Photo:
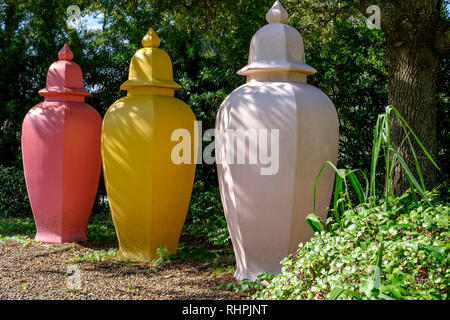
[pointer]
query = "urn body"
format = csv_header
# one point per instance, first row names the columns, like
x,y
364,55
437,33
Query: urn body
x,y
62,163
266,213
148,193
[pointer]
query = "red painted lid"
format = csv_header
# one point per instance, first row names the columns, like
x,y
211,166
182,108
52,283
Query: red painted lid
x,y
64,77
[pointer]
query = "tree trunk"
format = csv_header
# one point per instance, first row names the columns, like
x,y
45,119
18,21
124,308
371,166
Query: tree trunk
x,y
412,62
412,73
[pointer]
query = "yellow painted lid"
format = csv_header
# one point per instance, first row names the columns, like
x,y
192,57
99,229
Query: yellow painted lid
x,y
150,66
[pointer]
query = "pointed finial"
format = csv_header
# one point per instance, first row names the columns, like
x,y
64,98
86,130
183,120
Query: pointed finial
x,y
277,13
151,39
65,53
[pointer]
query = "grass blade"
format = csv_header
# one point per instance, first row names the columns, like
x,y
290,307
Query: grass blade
x,y
415,137
357,186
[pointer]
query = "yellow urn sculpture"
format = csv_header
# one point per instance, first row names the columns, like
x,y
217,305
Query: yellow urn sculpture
x,y
148,191
285,130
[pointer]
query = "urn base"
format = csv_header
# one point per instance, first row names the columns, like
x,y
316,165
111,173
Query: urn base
x,y
141,255
53,238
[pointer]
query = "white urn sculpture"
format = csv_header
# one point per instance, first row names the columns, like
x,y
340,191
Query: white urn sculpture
x,y
267,197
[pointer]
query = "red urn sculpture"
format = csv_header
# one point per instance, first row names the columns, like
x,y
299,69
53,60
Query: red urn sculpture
x,y
61,154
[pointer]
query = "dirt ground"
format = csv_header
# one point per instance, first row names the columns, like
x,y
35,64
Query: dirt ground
x,y
38,271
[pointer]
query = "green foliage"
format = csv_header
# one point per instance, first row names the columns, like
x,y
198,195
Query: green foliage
x,y
162,257
101,229
382,149
351,72
315,223
17,228
31,33
196,253
95,256
216,260
382,248
205,218
13,193
349,262
247,287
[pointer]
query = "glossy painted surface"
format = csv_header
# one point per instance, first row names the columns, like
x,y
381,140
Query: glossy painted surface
x,y
148,194
61,155
266,213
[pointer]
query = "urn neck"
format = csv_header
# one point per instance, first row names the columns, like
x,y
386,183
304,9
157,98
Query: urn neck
x,y
151,91
276,76
63,97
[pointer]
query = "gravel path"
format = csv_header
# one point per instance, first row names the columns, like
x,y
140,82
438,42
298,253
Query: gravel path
x,y
39,271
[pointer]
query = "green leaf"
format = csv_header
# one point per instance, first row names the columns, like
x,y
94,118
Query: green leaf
x,y
415,137
336,293
357,187
314,222
436,252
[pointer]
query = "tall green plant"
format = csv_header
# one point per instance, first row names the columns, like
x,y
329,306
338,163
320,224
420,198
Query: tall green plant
x,y
382,149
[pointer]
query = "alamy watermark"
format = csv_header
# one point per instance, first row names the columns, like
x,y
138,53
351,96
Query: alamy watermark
x,y
251,146
74,19
374,21
73,281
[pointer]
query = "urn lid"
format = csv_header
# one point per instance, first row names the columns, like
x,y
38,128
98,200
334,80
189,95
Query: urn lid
x,y
277,46
64,77
150,66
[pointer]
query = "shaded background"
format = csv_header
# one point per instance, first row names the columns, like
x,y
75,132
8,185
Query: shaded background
x,y
208,42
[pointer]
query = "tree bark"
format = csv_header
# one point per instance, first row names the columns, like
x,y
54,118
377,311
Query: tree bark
x,y
412,91
416,42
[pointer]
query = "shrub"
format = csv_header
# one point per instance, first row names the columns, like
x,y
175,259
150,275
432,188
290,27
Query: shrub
x,y
100,228
382,248
205,219
13,193
409,243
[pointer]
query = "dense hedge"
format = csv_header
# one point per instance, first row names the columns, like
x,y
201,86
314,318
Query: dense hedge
x,y
410,242
205,220
13,193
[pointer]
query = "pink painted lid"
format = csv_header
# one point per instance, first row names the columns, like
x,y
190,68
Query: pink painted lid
x,y
64,77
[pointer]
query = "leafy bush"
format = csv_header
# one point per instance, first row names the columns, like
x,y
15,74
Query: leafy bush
x,y
247,287
384,156
100,228
206,218
17,228
414,261
13,193
382,248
